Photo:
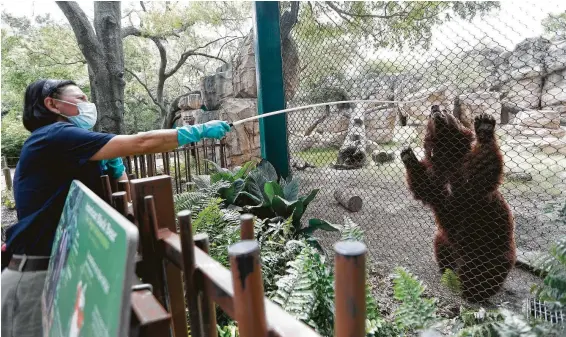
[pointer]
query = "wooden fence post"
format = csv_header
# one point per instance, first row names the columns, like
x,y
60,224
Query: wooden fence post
x,y
120,203
160,188
246,227
350,286
106,189
208,311
249,306
124,185
188,255
7,178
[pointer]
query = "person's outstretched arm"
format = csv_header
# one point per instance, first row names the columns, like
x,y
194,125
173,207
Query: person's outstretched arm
x,y
157,141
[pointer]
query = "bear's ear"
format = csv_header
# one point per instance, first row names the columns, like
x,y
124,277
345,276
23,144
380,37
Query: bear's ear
x,y
435,108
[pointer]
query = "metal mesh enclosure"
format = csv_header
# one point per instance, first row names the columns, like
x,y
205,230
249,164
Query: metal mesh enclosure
x,y
487,134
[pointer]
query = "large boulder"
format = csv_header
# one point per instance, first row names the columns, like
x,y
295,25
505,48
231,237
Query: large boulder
x,y
216,87
554,89
202,116
476,103
243,65
523,72
528,58
555,58
523,93
548,119
244,72
242,143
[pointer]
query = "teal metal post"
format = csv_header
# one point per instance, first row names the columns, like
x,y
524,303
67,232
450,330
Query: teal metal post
x,y
270,87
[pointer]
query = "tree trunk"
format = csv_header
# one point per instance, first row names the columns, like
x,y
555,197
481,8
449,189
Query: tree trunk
x,y
103,51
352,153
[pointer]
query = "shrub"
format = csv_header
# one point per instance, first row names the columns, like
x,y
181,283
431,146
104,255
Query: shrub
x,y
13,135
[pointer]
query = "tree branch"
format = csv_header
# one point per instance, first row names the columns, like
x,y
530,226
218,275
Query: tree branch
x,y
162,66
211,56
145,87
131,30
193,52
225,43
340,11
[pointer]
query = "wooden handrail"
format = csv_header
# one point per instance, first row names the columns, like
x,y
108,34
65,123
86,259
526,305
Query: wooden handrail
x,y
279,322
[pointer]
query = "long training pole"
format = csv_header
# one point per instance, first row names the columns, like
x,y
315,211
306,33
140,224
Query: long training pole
x,y
249,119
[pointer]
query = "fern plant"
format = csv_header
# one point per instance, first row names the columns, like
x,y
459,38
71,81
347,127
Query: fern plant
x,y
306,291
295,290
415,312
351,231
222,227
553,289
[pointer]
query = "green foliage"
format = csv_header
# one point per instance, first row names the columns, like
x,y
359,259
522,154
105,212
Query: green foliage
x,y
306,291
222,227
261,192
295,290
554,25
43,49
553,289
479,323
198,200
351,231
415,312
239,172
232,193
13,135
450,280
230,330
8,199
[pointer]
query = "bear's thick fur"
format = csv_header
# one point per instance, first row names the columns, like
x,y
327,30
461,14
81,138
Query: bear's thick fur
x,y
459,179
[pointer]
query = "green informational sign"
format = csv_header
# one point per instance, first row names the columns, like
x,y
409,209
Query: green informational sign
x,y
88,285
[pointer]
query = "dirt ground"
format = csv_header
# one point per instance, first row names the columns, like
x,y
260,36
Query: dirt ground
x,y
399,230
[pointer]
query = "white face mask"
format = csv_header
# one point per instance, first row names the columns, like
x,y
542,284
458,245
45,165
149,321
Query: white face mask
x,y
86,117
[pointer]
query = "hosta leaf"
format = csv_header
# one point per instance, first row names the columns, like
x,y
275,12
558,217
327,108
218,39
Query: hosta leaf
x,y
273,189
290,188
315,224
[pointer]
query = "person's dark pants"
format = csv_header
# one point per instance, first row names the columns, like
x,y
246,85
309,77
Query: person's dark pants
x,y
21,300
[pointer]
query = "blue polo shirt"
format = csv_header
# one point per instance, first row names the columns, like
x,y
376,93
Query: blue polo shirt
x,y
51,158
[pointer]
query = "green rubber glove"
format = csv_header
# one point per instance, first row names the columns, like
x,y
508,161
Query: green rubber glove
x,y
114,167
194,133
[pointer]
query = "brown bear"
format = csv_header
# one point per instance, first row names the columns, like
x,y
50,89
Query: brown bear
x,y
459,179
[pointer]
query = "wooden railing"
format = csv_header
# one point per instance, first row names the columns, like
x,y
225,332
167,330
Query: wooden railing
x,y
182,274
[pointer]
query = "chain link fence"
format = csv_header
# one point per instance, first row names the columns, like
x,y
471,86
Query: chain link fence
x,y
487,139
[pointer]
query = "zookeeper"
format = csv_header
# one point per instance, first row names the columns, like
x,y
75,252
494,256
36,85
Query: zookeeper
x,y
62,148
